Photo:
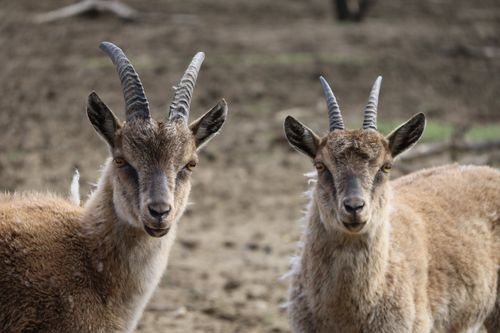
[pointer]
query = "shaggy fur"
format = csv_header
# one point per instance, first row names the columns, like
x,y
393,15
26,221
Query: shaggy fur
x,y
64,268
426,258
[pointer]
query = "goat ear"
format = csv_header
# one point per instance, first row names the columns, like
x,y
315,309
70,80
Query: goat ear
x,y
406,135
102,118
208,125
300,137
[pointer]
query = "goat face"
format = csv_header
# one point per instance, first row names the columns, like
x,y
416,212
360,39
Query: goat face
x,y
152,166
152,160
352,165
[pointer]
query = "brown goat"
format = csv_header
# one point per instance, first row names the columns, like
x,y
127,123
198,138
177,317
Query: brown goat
x,y
418,254
93,269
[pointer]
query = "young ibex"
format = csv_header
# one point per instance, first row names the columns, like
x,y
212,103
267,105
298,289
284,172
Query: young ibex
x,y
93,269
418,254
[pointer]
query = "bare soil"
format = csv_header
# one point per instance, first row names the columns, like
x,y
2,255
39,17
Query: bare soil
x,y
440,57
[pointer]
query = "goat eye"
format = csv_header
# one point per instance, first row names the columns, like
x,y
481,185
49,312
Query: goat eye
x,y
120,162
190,166
386,167
319,166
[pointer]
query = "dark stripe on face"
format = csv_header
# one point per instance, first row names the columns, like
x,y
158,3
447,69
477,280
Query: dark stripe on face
x,y
353,186
158,188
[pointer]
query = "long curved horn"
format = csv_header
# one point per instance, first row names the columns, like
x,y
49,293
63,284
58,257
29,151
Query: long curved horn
x,y
370,117
334,115
136,103
184,90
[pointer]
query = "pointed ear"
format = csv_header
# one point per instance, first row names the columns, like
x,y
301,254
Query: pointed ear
x,y
102,118
208,125
300,137
406,135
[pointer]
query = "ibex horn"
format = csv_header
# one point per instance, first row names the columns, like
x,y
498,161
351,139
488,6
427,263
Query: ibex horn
x,y
370,117
184,90
136,103
334,115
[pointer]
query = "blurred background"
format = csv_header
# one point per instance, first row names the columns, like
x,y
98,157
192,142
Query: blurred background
x,y
440,57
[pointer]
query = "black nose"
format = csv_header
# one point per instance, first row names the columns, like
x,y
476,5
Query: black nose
x,y
353,205
159,210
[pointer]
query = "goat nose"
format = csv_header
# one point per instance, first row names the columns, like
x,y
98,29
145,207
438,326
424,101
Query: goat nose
x,y
353,204
158,210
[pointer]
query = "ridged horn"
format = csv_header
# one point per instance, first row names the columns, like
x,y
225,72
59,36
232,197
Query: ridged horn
x,y
370,117
184,90
136,103
334,115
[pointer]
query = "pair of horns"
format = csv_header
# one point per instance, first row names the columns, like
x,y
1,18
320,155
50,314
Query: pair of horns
x,y
334,115
136,103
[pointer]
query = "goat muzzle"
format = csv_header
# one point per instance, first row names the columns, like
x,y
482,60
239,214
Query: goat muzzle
x,y
157,232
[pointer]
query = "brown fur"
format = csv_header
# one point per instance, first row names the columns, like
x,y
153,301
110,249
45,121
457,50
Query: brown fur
x,y
427,259
69,269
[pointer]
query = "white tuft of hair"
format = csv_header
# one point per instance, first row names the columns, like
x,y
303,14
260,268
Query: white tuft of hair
x,y
74,192
294,262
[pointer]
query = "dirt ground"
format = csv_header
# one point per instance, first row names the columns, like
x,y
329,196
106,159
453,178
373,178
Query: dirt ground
x,y
440,57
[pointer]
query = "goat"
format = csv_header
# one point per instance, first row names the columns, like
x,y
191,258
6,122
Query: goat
x,y
418,254
93,269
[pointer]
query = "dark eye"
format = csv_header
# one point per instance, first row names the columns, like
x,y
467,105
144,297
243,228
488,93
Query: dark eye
x,y
190,166
120,162
386,167
319,166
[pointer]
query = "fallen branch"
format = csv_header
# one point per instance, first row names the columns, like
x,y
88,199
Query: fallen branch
x,y
115,7
432,149
485,52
